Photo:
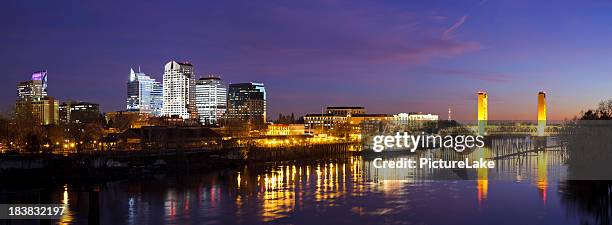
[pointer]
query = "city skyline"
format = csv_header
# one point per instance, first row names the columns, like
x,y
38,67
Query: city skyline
x,y
206,97
428,56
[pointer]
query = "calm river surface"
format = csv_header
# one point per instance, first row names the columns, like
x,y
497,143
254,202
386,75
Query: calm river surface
x,y
521,190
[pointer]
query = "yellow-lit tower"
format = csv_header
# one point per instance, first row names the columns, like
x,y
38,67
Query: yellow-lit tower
x,y
483,114
541,113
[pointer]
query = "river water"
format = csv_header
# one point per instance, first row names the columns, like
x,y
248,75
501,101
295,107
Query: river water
x,y
528,189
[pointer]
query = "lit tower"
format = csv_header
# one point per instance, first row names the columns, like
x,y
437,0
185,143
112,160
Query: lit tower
x,y
178,90
144,94
211,99
483,114
33,102
541,113
246,106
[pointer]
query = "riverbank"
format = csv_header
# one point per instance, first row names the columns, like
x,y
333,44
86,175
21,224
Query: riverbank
x,y
116,165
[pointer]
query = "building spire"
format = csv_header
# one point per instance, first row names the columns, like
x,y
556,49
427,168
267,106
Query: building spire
x,y
132,74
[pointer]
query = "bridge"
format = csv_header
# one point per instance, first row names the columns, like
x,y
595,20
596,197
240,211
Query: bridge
x,y
517,129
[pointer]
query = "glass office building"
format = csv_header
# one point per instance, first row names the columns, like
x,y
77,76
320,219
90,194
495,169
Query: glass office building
x,y
211,100
33,103
246,106
144,94
34,89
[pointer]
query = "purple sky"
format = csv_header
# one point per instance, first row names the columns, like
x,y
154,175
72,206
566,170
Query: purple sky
x,y
389,56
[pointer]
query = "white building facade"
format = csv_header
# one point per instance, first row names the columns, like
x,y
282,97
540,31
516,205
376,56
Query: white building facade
x,y
178,90
211,100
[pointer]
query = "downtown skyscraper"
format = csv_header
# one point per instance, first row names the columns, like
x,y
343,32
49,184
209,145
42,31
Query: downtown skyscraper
x,y
178,90
246,106
34,89
211,99
144,94
33,103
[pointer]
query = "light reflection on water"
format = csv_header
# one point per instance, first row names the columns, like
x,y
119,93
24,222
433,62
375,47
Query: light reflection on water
x,y
67,217
520,190
345,191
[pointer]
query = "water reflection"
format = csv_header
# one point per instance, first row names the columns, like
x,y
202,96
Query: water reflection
x,y
67,217
346,190
589,200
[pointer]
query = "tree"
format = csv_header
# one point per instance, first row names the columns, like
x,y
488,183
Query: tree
x,y
25,128
5,131
603,112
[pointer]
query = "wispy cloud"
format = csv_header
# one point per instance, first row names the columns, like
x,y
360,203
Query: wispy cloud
x,y
448,32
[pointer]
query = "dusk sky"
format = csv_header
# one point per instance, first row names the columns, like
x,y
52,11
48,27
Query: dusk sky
x,y
388,56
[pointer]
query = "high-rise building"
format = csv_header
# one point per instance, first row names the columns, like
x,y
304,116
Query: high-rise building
x,y
33,89
483,114
178,90
78,112
144,94
211,100
45,111
33,102
541,113
157,99
246,106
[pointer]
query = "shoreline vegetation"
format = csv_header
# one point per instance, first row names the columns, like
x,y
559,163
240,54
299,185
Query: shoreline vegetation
x,y
588,139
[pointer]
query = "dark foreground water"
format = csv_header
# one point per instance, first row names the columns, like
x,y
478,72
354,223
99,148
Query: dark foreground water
x,y
521,190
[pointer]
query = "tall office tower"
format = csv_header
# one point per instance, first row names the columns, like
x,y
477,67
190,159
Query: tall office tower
x,y
178,90
45,111
211,100
483,114
246,106
157,99
541,113
33,103
144,94
33,89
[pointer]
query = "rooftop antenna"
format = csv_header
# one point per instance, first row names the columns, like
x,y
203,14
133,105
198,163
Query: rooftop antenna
x,y
450,113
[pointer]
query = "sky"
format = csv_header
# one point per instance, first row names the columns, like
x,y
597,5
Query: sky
x,y
388,56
